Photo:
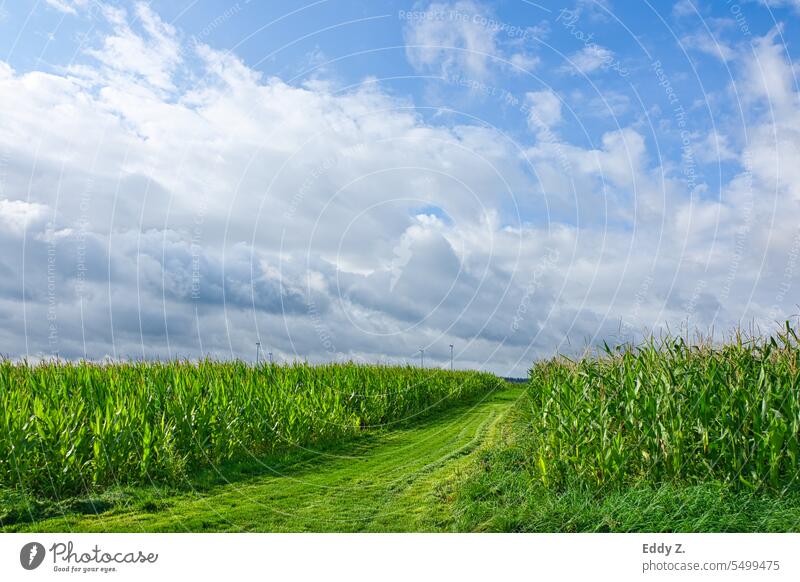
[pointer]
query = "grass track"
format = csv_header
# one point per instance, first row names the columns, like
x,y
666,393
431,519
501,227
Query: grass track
x,y
398,480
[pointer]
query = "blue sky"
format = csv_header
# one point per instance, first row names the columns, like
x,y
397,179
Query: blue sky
x,y
352,180
355,40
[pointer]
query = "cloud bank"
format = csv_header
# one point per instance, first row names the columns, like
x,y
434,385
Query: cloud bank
x,y
160,198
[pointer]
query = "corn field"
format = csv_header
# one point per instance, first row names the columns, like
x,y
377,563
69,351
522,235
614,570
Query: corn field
x,y
669,411
69,428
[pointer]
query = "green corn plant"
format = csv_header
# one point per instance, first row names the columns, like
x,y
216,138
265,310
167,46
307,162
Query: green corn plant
x,y
669,411
72,427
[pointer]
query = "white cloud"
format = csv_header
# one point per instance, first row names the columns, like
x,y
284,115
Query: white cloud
x,y
447,37
152,57
465,38
589,59
545,109
684,8
249,170
524,61
17,215
715,148
68,6
767,76
341,224
704,42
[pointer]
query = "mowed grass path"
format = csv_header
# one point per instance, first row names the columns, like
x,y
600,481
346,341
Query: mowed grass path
x,y
400,479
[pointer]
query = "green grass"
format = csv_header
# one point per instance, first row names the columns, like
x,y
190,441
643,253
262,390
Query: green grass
x,y
68,430
663,437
